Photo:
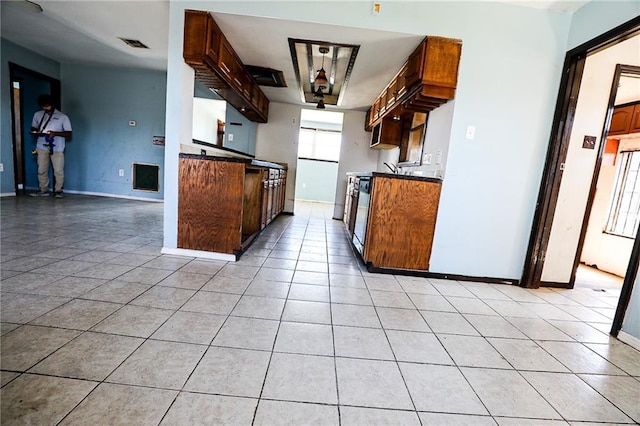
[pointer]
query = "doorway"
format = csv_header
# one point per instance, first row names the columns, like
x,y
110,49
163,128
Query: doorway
x,y
553,260
26,86
319,144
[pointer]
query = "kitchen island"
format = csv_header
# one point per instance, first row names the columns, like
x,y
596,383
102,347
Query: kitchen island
x,y
391,218
225,202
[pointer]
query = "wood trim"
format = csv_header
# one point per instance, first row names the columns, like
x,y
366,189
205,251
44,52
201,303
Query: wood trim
x,y
453,277
552,175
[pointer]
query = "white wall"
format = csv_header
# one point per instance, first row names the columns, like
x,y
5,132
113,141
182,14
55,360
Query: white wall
x,y
355,155
277,141
576,179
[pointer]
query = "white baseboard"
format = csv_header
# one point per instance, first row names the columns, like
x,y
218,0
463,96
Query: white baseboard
x,y
96,194
104,194
7,194
199,253
629,339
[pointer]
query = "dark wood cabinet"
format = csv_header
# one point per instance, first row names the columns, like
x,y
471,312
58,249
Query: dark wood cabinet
x,y
625,119
387,134
224,204
425,81
401,222
217,66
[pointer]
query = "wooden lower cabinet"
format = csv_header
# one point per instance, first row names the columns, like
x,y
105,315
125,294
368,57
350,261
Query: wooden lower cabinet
x,y
223,205
401,222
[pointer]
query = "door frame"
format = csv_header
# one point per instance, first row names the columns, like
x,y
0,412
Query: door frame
x,y
564,115
18,139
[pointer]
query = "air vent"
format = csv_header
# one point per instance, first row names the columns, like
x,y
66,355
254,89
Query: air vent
x,y
267,76
134,43
146,177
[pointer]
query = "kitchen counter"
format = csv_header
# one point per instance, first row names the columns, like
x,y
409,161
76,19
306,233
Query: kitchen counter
x,y
395,176
248,161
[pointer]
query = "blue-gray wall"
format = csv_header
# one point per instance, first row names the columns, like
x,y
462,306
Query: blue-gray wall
x,y
100,102
13,53
316,180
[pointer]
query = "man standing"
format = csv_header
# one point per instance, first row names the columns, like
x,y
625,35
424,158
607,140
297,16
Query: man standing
x,y
51,127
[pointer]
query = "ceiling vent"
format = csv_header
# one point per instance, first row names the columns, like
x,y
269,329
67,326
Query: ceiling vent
x,y
267,76
134,43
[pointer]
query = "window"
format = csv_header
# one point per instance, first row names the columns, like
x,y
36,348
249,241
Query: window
x,y
319,144
625,205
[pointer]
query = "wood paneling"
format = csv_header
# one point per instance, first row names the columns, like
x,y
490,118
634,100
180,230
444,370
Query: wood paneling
x,y
210,198
402,219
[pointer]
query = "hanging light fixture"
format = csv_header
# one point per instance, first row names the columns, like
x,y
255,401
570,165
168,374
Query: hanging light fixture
x,y
321,77
319,94
320,104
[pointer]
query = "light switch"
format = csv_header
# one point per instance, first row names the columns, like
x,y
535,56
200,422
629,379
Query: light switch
x,y
230,138
471,132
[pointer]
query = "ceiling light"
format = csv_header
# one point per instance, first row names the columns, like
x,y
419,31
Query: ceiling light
x,y
321,77
319,94
320,104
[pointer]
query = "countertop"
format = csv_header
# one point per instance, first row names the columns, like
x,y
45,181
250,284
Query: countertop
x,y
249,161
395,176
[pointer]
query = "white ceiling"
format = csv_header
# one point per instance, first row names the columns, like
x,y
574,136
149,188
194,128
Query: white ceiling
x,y
87,32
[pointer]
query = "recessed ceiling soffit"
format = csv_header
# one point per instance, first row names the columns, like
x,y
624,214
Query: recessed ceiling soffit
x,y
309,57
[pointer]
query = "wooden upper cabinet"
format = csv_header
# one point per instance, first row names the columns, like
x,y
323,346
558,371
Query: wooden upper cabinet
x,y
413,73
625,119
218,66
227,61
387,134
635,120
425,81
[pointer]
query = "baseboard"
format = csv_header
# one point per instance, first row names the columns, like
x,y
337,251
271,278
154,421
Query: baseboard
x,y
453,277
199,253
7,194
629,339
104,194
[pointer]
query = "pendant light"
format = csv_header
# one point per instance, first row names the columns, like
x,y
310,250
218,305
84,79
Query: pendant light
x,y
321,77
320,104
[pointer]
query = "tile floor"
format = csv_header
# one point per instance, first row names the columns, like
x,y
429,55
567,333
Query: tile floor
x,y
99,328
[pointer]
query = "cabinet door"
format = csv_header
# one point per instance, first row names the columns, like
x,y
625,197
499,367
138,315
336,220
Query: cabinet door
x,y
265,203
414,67
635,120
227,60
621,120
212,48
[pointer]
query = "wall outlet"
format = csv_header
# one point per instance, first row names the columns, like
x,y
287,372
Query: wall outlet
x,y
121,172
230,138
1,167
438,157
471,132
427,158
